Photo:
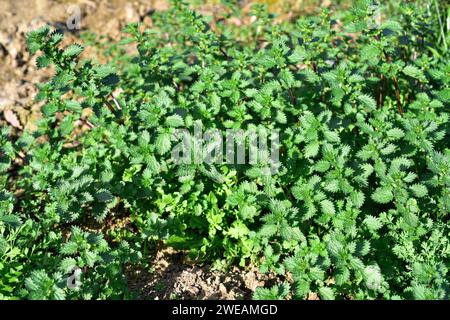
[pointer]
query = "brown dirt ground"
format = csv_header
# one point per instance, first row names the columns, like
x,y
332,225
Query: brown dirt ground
x,y
18,73
173,277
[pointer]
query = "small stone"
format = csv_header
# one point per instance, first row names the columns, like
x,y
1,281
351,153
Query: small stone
x,y
223,289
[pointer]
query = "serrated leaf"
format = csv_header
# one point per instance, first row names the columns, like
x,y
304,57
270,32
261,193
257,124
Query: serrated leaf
x,y
42,61
414,72
90,258
367,100
174,120
69,248
311,149
373,277
268,230
106,176
238,230
298,55
56,37
362,248
3,245
287,76
163,143
73,50
215,100
322,166
373,223
247,212
327,207
357,198
104,196
11,219
419,190
281,117
331,136
382,195
326,293
392,26
277,292
395,133
49,109
103,71
67,265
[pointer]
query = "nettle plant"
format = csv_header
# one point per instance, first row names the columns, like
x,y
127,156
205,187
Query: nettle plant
x,y
358,210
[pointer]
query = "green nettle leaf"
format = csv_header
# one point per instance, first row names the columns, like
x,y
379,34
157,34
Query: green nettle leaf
x,y
153,164
163,143
42,61
3,245
322,166
331,136
327,207
90,258
215,100
392,25
73,105
419,190
69,248
370,53
312,149
56,37
41,286
298,55
373,277
238,230
106,176
363,248
49,109
103,71
357,198
174,121
395,133
326,293
248,212
73,50
281,117
420,292
383,195
373,223
356,26
277,292
104,196
11,219
367,101
268,230
287,77
356,264
67,265
414,72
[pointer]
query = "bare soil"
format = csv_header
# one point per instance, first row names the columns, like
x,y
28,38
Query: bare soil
x,y
18,72
174,277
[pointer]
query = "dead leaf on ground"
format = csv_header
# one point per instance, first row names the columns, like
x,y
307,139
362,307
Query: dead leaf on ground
x,y
12,119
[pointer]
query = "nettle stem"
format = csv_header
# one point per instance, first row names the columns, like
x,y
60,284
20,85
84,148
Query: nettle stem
x,y
110,107
397,95
396,87
380,97
115,101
